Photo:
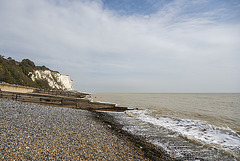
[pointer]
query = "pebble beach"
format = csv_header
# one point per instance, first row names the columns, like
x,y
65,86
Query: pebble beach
x,y
40,132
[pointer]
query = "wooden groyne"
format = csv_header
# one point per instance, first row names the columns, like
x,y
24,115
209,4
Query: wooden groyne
x,y
58,99
73,94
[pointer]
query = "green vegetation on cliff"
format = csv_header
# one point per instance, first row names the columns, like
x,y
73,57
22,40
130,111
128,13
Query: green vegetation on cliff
x,y
15,72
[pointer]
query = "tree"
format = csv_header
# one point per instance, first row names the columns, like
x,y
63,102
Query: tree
x,y
28,62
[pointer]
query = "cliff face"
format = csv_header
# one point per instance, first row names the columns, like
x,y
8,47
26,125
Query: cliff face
x,y
55,80
27,74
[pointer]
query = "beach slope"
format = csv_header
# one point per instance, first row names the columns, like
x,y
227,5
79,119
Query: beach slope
x,y
38,132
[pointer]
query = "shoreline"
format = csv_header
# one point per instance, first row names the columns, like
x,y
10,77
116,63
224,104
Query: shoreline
x,y
33,132
151,151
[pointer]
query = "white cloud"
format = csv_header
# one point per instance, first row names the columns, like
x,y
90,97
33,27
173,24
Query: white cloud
x,y
105,52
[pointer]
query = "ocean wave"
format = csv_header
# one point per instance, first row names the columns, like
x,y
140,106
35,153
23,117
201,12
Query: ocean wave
x,y
219,137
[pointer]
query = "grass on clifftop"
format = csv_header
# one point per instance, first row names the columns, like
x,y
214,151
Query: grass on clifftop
x,y
14,72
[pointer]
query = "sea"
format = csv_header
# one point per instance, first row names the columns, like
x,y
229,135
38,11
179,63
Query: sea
x,y
187,126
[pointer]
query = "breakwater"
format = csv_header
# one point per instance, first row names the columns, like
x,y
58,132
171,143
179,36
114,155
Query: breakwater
x,y
60,98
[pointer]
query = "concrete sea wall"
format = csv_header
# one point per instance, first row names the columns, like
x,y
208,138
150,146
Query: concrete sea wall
x,y
15,88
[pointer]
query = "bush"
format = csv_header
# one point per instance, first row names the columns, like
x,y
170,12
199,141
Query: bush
x,y
15,72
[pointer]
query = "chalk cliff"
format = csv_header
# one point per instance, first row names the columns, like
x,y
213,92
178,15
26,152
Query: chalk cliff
x,y
55,79
26,73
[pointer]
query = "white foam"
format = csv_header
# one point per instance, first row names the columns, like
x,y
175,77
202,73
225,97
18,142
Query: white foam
x,y
225,138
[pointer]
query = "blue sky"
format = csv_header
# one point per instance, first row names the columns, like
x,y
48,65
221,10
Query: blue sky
x,y
126,7
129,45
229,9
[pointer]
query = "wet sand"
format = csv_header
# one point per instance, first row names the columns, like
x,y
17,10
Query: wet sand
x,y
38,132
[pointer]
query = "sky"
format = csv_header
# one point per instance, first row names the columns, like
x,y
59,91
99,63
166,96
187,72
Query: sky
x,y
129,46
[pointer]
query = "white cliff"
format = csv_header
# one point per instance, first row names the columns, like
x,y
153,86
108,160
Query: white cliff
x,y
54,79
